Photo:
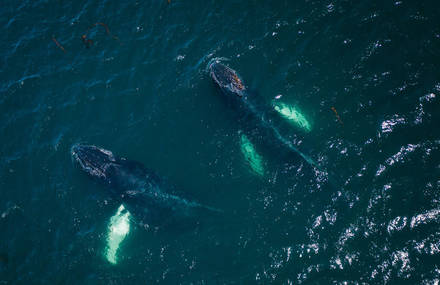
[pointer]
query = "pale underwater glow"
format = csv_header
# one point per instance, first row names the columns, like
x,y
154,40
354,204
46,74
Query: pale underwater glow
x,y
118,229
293,114
251,155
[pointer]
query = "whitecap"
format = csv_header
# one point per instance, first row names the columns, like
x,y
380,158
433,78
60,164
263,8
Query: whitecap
x,y
400,156
429,216
397,224
387,126
401,258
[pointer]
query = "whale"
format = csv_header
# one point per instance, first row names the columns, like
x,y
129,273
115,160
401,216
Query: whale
x,y
249,106
140,189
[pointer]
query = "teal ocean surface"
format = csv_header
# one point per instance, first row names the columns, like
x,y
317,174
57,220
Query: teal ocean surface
x,y
355,85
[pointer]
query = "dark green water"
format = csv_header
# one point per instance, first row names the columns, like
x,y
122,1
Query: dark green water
x,y
373,219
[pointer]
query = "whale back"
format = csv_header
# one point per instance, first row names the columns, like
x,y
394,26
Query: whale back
x,y
251,108
144,189
227,79
131,177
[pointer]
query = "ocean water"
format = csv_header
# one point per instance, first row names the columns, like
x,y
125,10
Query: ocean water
x,y
365,75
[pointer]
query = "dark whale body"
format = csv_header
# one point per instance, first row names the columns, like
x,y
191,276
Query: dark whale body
x,y
142,191
232,85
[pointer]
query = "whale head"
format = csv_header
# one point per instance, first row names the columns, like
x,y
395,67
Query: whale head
x,y
226,78
93,160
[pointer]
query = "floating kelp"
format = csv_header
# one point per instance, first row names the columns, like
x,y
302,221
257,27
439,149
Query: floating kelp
x,y
251,155
119,227
88,42
58,44
337,115
292,114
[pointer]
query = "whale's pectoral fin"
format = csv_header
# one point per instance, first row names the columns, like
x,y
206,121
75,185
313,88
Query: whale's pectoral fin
x,y
251,156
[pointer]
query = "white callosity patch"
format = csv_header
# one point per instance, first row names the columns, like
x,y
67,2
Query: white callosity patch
x,y
92,169
232,80
118,229
110,155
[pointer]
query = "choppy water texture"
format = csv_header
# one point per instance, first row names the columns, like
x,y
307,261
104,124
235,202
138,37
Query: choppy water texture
x,y
371,214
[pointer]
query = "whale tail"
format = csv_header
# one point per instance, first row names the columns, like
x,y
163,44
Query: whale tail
x,y
212,209
332,178
308,159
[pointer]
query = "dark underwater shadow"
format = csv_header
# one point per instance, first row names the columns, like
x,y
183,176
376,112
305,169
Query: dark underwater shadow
x,y
177,219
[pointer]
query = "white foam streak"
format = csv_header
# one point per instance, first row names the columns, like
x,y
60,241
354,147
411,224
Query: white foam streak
x,y
387,126
429,216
